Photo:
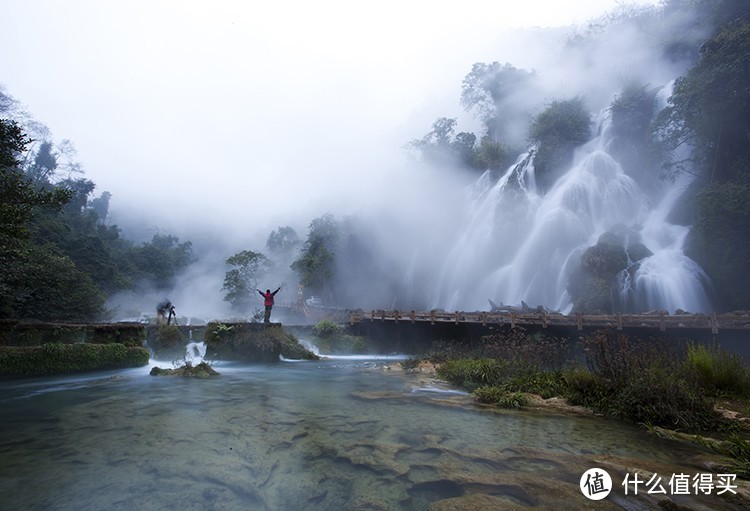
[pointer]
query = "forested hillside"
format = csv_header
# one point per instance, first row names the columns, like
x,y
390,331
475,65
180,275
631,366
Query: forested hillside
x,y
59,258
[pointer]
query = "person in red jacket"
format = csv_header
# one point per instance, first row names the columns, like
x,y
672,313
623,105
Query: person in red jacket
x,y
268,302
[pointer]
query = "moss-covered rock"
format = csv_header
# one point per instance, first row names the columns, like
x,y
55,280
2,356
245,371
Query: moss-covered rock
x,y
252,342
167,342
59,358
33,333
129,334
590,284
202,370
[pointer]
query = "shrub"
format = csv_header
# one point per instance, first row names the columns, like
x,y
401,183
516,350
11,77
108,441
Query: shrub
x,y
58,358
641,382
716,371
545,383
473,373
410,363
537,351
501,397
327,329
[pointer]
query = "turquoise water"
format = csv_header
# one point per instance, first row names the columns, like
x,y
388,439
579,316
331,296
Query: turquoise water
x,y
350,433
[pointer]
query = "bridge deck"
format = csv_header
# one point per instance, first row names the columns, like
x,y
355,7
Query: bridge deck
x,y
661,320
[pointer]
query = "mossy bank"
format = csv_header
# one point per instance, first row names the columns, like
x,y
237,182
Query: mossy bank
x,y
38,349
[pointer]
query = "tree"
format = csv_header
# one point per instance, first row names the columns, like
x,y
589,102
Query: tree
x,y
241,282
495,92
53,288
43,167
632,112
315,265
100,205
160,260
557,131
442,146
709,110
282,241
490,155
707,122
36,281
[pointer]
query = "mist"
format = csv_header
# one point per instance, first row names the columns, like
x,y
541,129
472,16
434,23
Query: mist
x,y
307,135
406,216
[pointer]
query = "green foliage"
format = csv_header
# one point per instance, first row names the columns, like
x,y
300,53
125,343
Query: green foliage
x,y
717,372
170,337
590,284
410,363
557,131
48,286
283,241
720,240
315,264
709,108
241,282
293,350
202,370
537,352
546,384
331,337
501,397
641,382
473,373
251,342
632,111
58,358
327,329
492,92
442,147
490,155
161,259
217,332
57,260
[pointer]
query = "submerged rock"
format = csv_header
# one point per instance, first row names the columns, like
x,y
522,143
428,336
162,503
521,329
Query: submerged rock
x,y
202,370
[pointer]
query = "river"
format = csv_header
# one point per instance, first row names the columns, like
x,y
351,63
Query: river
x,y
348,433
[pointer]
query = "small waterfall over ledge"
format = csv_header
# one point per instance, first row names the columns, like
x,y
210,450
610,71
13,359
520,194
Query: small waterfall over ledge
x,y
519,244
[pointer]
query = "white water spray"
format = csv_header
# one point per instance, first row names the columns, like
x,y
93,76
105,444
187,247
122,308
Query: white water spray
x,y
520,245
195,352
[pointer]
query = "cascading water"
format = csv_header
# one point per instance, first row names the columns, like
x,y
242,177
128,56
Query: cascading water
x,y
519,244
195,352
667,280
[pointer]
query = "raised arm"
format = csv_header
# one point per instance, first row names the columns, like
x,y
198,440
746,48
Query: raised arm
x,y
277,290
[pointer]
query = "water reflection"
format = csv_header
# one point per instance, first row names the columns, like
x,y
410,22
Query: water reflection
x,y
332,434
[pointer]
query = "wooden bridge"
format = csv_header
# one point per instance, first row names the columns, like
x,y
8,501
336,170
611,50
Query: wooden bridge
x,y
532,318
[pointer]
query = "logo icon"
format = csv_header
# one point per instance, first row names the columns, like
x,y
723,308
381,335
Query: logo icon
x,y
596,484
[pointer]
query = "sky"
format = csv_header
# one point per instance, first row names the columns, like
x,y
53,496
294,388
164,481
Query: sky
x,y
236,117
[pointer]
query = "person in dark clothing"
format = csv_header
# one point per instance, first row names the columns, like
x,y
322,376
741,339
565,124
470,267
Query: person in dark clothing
x,y
162,309
268,302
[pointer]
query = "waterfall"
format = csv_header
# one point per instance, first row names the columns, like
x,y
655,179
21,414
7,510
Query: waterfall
x,y
519,244
195,352
667,280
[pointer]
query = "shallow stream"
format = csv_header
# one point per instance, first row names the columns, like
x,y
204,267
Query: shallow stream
x,y
353,433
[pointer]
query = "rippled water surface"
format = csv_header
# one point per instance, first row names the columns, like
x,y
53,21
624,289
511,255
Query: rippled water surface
x,y
333,434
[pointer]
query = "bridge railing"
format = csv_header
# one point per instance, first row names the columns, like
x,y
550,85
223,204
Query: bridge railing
x,y
660,320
